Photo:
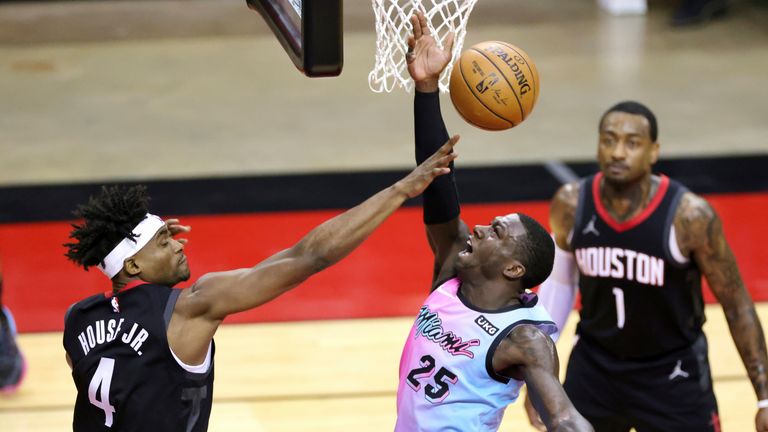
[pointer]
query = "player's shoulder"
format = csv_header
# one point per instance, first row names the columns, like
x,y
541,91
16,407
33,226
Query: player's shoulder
x,y
693,209
75,310
526,344
527,334
695,221
568,194
87,302
562,211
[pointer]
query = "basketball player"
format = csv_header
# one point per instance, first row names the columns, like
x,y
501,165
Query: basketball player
x,y
480,334
639,243
12,364
142,353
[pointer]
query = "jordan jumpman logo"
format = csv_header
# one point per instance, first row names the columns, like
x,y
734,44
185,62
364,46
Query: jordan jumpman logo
x,y
590,228
678,371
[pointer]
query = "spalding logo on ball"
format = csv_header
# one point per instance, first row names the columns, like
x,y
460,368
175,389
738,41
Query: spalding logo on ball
x,y
494,85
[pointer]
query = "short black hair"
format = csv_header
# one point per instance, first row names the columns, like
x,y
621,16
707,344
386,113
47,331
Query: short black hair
x,y
108,218
632,107
538,251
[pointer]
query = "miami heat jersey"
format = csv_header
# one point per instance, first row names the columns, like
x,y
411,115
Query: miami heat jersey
x,y
126,376
447,382
639,296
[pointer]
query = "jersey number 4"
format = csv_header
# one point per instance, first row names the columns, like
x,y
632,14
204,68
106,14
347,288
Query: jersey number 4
x,y
103,379
433,393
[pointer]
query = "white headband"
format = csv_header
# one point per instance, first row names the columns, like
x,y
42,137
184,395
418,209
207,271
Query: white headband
x,y
128,247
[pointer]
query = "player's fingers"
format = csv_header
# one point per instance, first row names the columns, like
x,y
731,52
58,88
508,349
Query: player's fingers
x,y
178,228
437,172
416,24
449,42
423,23
450,144
447,159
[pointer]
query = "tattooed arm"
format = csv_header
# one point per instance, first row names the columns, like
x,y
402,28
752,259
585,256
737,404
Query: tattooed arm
x,y
558,293
700,235
529,355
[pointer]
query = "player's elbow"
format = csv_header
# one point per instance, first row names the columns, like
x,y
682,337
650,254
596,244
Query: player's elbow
x,y
312,260
320,263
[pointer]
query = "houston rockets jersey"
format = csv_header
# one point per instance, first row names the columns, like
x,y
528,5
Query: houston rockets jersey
x,y
126,375
447,382
640,296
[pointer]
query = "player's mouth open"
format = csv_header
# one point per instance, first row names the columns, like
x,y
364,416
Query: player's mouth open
x,y
468,250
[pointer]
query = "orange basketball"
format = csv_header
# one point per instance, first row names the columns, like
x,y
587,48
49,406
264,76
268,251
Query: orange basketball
x,y
494,85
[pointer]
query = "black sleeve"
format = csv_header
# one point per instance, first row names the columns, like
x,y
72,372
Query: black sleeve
x,y
441,200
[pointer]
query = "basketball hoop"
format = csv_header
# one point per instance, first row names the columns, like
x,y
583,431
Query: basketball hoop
x,y
393,27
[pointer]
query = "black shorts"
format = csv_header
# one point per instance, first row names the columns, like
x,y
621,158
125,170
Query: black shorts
x,y
672,392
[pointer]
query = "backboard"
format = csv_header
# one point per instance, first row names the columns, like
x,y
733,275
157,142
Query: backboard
x,y
309,30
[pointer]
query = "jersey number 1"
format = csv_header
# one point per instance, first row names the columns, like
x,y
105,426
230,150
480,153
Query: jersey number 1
x,y
619,294
103,378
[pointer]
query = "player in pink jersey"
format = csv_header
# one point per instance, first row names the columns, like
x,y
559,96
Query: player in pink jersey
x,y
480,334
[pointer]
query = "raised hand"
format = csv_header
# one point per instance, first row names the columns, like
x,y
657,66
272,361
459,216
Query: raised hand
x,y
436,165
175,228
425,59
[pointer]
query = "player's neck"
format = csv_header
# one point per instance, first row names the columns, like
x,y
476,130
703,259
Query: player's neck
x,y
625,201
489,295
120,282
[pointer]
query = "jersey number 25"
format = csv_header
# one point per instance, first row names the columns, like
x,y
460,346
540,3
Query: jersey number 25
x,y
433,393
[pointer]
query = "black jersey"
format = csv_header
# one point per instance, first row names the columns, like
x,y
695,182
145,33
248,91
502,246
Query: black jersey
x,y
126,376
639,296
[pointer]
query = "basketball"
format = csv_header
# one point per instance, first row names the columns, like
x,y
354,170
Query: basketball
x,y
494,85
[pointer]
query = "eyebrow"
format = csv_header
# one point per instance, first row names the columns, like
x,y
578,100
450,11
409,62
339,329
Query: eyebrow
x,y
498,222
631,134
161,232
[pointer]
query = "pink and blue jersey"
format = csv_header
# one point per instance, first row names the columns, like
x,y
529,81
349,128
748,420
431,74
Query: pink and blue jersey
x,y
447,382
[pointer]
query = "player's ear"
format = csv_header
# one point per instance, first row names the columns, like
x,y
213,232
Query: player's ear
x,y
514,270
654,152
131,267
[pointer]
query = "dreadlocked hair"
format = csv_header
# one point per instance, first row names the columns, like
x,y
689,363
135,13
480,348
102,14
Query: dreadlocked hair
x,y
108,218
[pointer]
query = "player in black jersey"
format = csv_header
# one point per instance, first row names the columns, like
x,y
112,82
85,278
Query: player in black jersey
x,y
637,244
142,353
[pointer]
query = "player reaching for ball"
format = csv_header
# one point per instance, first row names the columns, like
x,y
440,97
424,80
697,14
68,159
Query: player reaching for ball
x,y
480,334
142,354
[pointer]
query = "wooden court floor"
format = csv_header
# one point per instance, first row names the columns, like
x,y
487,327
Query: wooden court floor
x,y
320,376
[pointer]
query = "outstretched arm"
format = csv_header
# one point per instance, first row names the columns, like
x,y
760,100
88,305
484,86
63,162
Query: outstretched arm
x,y
446,233
529,355
700,234
201,308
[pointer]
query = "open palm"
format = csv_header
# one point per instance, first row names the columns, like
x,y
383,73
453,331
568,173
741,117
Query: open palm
x,y
427,60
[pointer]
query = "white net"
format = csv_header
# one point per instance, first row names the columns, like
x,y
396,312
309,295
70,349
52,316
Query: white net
x,y
393,27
